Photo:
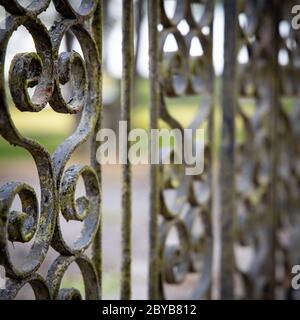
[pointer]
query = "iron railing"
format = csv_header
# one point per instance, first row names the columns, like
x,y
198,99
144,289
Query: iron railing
x,y
259,177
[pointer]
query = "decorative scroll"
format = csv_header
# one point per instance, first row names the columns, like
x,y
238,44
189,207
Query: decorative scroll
x,y
288,134
46,70
183,201
254,143
267,180
259,154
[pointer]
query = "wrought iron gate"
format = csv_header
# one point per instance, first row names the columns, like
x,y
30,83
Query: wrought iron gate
x,y
259,176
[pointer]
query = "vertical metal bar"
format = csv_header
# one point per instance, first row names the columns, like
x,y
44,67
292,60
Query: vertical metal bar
x,y
153,19
97,243
126,104
274,102
227,149
212,152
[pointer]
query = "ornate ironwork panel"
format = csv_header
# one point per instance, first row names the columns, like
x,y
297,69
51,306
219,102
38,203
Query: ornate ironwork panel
x,y
260,208
259,177
178,201
46,70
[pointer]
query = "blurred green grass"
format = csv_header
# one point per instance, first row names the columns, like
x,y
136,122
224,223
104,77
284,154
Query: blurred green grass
x,y
110,283
50,141
46,127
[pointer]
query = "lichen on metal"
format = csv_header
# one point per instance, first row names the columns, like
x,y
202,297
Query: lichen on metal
x,y
46,70
259,175
257,192
177,73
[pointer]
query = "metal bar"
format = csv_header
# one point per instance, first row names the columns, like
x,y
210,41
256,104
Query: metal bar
x,y
274,102
154,65
97,243
227,149
126,105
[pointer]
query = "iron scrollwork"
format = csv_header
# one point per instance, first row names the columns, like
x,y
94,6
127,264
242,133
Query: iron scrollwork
x,y
266,174
260,170
46,70
181,74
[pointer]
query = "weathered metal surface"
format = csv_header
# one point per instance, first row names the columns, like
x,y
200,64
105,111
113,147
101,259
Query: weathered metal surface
x,y
178,74
259,149
227,153
46,70
154,66
127,96
260,208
